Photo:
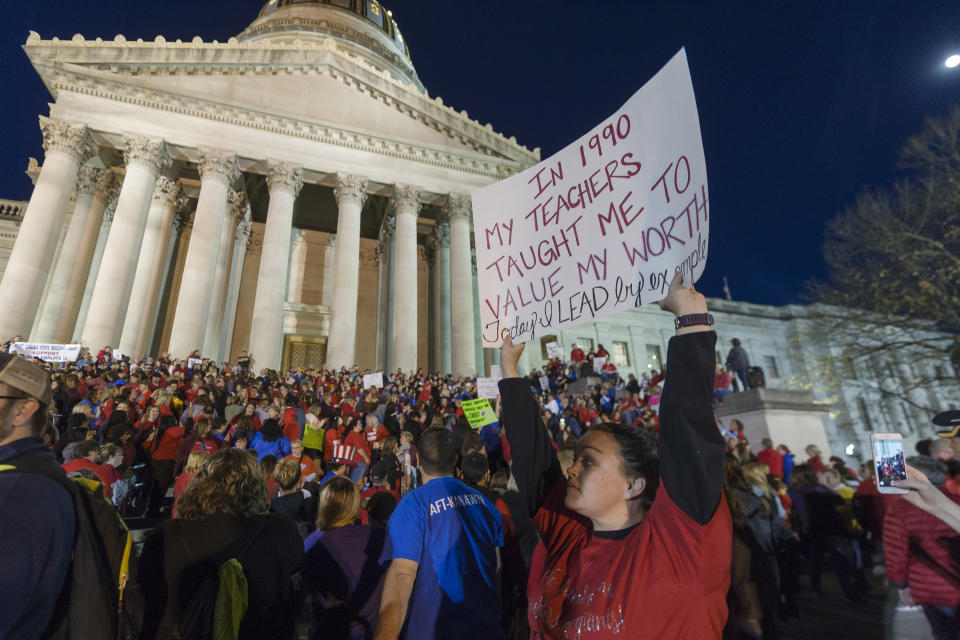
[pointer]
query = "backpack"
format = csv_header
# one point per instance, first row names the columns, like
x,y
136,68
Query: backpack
x,y
101,598
213,595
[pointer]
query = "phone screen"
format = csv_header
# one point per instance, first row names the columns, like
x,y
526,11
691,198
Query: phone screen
x,y
888,458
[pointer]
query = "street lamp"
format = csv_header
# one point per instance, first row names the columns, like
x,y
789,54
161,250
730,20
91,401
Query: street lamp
x,y
953,61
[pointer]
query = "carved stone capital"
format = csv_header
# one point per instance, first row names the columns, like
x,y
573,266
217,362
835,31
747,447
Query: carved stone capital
x,y
350,187
112,200
67,137
405,199
87,180
442,234
165,192
182,220
236,203
458,205
147,152
389,227
106,184
219,165
284,176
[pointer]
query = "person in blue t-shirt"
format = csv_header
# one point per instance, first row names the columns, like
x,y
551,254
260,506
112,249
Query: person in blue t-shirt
x,y
445,539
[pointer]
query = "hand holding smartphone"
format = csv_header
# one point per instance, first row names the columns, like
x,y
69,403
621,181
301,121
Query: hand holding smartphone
x,y
888,461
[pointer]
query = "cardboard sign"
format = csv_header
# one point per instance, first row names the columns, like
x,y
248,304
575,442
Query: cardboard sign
x,y
554,350
194,361
488,387
478,412
373,380
47,352
545,383
117,354
601,226
598,362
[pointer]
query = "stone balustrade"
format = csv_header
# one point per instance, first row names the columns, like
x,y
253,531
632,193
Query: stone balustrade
x,y
12,209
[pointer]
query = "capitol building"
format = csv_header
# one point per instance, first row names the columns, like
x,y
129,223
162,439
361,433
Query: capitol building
x,y
296,193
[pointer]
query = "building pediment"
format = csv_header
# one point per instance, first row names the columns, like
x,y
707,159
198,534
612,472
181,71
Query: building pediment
x,y
304,87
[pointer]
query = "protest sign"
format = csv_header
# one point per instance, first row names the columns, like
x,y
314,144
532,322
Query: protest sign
x,y
598,362
602,225
373,380
554,350
47,352
488,387
117,354
478,412
545,383
194,361
496,372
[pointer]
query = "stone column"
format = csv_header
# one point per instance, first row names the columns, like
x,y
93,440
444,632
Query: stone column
x,y
153,249
266,331
329,262
441,310
86,247
463,351
406,205
66,147
482,360
162,300
241,242
218,170
70,255
351,192
382,277
430,256
389,234
236,208
97,259
298,265
145,158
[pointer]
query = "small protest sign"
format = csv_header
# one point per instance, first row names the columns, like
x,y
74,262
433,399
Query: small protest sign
x,y
598,362
545,383
478,412
191,362
487,387
554,350
47,352
602,225
117,354
496,372
373,380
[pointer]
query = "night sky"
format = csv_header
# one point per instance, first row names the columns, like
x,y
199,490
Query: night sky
x,y
801,104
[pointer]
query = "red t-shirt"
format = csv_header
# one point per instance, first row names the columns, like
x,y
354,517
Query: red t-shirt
x,y
329,436
291,428
364,516
577,355
84,463
306,466
816,463
359,441
668,578
773,459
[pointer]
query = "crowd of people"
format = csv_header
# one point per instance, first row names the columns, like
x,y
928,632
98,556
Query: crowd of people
x,y
301,500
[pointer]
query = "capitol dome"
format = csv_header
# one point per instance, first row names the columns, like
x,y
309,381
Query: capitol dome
x,y
361,27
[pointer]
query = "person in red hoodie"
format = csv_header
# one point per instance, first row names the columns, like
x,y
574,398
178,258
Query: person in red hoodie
x,y
814,461
161,444
771,457
291,428
918,553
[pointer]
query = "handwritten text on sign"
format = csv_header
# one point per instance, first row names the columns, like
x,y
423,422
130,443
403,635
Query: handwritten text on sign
x,y
600,226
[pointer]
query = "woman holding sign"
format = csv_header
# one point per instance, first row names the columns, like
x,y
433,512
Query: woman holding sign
x,y
638,540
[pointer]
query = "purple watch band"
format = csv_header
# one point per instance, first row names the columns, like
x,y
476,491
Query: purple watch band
x,y
692,319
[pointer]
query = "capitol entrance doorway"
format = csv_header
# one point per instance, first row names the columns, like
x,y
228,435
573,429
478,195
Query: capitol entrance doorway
x,y
302,353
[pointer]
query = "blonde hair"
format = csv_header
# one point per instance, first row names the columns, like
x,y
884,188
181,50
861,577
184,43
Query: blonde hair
x,y
339,504
389,446
296,443
755,473
82,407
195,460
287,473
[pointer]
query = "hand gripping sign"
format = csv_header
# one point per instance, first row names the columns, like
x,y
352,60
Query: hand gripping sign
x,y
602,225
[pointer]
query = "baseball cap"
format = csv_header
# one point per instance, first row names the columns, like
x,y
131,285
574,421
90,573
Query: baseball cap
x,y
379,471
950,420
20,373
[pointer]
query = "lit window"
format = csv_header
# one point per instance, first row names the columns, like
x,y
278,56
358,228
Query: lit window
x,y
654,360
621,357
770,364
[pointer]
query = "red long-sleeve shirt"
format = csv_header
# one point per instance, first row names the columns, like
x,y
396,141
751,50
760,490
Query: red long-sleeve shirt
x,y
917,552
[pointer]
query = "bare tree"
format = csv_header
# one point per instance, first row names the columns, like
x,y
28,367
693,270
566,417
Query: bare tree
x,y
892,301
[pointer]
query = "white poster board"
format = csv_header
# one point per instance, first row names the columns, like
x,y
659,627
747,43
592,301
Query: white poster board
x,y
598,362
193,361
47,352
117,355
554,350
373,380
602,225
496,372
488,388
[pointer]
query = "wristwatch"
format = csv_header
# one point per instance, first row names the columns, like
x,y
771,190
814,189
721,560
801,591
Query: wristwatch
x,y
693,319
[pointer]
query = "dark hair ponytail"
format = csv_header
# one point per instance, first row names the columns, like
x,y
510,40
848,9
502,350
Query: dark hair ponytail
x,y
638,450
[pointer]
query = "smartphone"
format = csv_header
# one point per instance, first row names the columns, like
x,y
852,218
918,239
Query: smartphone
x,y
888,461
